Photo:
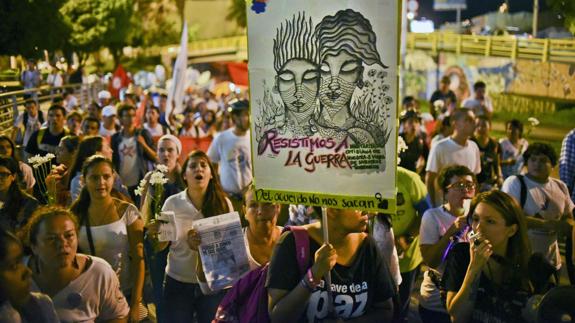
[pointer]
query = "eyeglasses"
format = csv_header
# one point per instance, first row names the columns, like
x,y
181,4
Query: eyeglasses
x,y
4,175
462,186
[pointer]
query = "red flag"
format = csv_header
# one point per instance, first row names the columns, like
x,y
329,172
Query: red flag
x,y
238,73
118,81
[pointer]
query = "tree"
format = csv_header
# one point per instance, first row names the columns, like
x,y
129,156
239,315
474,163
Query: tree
x,y
157,22
566,9
237,12
98,23
24,26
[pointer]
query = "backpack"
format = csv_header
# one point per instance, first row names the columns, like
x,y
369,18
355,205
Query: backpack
x,y
247,300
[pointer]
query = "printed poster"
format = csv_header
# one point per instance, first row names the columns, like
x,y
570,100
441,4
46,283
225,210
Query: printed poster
x,y
324,95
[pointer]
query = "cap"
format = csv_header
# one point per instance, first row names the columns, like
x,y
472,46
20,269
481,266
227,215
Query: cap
x,y
409,114
238,105
109,111
102,95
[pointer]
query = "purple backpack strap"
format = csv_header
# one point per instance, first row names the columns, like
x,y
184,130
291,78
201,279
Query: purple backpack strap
x,y
301,246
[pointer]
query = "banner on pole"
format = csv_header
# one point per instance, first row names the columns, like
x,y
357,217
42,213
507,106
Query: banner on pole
x,y
444,5
176,91
324,94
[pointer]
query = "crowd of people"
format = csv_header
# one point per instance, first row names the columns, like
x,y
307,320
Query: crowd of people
x,y
474,215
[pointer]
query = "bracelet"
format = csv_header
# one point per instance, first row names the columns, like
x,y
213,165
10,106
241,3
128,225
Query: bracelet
x,y
310,279
305,285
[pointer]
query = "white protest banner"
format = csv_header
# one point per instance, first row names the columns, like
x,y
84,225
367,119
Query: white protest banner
x,y
176,91
324,94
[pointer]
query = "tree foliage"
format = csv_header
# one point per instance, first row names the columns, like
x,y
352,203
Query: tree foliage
x,y
156,22
566,9
28,27
237,12
98,23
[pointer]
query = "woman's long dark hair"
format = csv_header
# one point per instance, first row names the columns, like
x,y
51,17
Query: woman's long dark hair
x,y
518,247
89,146
15,196
82,203
215,199
6,238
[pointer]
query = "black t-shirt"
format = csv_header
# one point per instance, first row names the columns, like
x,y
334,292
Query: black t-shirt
x,y
489,157
437,95
493,303
48,144
355,288
415,149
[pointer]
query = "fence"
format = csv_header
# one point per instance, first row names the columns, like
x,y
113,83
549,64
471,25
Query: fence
x,y
12,102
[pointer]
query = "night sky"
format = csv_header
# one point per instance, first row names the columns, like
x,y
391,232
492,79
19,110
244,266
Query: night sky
x,y
474,8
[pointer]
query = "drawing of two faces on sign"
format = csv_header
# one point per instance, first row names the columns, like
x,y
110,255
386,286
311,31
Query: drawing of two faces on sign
x,y
330,79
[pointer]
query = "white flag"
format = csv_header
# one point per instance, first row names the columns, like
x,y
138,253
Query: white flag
x,y
176,92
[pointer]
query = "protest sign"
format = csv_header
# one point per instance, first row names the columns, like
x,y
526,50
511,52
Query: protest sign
x,y
323,85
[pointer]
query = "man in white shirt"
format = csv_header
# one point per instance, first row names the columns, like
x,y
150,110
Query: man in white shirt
x,y
454,150
231,150
480,103
134,150
108,126
545,201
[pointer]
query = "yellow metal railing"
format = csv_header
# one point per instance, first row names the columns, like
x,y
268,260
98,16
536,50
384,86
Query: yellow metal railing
x,y
546,50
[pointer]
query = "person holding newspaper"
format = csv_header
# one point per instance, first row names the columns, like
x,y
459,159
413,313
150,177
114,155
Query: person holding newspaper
x,y
203,197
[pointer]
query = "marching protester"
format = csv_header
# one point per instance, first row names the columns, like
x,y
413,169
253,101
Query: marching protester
x,y
16,206
169,149
46,140
111,229
231,151
8,149
359,274
441,228
83,288
545,201
27,123
203,197
489,150
487,279
17,303
512,148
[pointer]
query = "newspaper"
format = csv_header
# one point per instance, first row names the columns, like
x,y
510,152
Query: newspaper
x,y
222,250
173,228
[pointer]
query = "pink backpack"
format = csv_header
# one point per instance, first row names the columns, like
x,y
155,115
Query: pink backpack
x,y
247,300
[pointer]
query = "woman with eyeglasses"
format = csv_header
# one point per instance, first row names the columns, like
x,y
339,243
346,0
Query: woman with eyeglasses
x,y
487,280
16,205
440,229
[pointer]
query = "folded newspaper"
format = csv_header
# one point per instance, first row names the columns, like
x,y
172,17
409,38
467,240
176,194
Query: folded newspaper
x,y
223,251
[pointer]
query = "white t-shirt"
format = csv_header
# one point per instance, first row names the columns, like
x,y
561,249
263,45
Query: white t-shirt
x,y
551,201
32,125
434,224
181,259
508,150
447,152
157,131
233,154
93,296
105,132
111,244
194,132
475,105
128,151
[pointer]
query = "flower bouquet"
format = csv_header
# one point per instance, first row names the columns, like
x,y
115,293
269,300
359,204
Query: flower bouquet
x,y
42,166
151,188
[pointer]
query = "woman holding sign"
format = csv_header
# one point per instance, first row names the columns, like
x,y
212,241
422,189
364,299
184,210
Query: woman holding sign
x,y
361,289
203,197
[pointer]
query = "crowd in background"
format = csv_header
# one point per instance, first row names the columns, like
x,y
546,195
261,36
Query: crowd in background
x,y
475,215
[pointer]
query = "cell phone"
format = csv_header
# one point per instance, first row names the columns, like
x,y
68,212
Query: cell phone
x,y
474,237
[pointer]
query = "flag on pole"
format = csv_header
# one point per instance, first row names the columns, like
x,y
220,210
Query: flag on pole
x,y
119,80
176,92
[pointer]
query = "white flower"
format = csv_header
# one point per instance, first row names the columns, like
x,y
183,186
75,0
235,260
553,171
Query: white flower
x,y
138,191
34,160
438,104
158,178
533,121
49,156
162,168
401,145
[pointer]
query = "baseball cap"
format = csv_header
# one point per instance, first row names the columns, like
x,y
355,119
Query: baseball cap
x,y
409,114
104,95
109,111
238,105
